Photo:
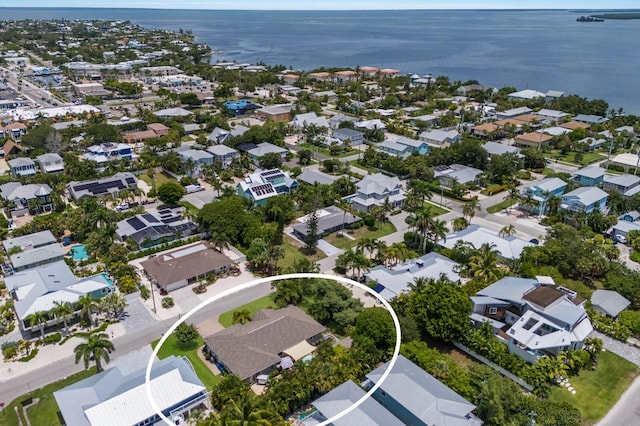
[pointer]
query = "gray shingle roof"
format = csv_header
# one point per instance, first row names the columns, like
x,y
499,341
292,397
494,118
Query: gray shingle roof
x,y
609,301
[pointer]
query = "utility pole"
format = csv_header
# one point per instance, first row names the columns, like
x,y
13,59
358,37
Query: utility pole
x,y
153,298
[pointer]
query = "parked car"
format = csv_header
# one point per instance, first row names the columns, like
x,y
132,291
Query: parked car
x,y
621,238
193,188
534,241
123,207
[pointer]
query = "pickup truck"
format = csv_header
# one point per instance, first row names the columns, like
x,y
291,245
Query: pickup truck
x,y
193,188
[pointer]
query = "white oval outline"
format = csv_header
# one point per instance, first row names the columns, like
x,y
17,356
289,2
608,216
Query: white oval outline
x,y
250,284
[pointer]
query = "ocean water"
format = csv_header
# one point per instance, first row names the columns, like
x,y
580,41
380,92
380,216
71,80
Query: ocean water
x,y
542,50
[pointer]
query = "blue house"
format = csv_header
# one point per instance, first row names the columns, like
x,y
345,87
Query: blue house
x,y
590,176
240,107
394,149
586,199
417,146
541,192
22,166
417,398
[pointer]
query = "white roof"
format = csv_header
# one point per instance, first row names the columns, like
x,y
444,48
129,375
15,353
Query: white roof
x,y
510,247
133,406
527,94
555,131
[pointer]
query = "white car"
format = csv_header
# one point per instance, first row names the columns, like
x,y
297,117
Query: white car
x,y
621,238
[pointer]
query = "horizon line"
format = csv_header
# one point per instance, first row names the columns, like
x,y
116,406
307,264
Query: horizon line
x,y
324,10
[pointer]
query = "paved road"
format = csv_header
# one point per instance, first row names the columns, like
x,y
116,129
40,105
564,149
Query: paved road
x,y
20,385
626,412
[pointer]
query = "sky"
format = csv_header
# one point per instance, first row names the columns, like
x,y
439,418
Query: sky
x,y
332,4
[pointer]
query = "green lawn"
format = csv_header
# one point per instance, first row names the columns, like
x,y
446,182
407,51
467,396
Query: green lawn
x,y
45,412
436,208
160,178
292,252
363,232
598,390
499,207
171,347
226,318
325,151
190,208
570,157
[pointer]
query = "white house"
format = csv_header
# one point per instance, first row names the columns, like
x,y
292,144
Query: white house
x,y
375,189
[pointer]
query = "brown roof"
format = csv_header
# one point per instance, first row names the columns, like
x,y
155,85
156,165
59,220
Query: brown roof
x,y
10,147
529,118
487,127
365,69
543,296
184,263
574,125
346,73
389,71
534,137
506,121
247,349
15,125
319,74
157,127
140,136
295,76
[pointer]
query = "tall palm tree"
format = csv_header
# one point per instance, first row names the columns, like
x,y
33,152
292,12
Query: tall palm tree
x,y
528,203
483,264
88,305
553,204
470,207
96,347
38,319
245,412
507,230
63,311
513,196
241,317
220,241
368,244
439,231
422,221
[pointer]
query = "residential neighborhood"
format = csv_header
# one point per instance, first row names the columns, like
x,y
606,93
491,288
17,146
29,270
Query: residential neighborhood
x,y
140,178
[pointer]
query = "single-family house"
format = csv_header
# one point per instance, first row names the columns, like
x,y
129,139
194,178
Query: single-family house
x,y
312,176
417,146
22,166
264,184
118,396
497,148
219,136
469,89
37,289
271,340
345,76
265,148
552,115
572,125
149,229
15,130
354,137
439,138
553,94
302,121
485,130
335,120
102,187
329,95
154,130
373,124
223,154
417,398
628,130
609,302
555,130
456,174
533,316
508,246
623,227
590,176
172,113
632,216
31,198
533,139
526,95
590,119
390,282
541,191
591,144
12,148
369,413
329,219
277,113
32,250
290,78
512,113
185,265
109,152
50,163
195,160
375,190
620,183
585,199
394,149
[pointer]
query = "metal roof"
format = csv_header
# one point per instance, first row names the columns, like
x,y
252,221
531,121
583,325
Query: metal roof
x,y
609,301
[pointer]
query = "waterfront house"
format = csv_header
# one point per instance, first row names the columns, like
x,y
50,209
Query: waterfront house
x,y
22,166
223,154
590,176
526,95
417,398
375,189
175,388
541,191
621,183
264,184
345,76
354,137
508,247
185,265
513,113
585,199
50,163
439,138
392,281
533,316
609,302
456,174
22,199
260,346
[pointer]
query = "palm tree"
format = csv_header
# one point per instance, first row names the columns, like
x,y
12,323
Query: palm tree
x,y
552,367
368,244
439,231
288,292
422,222
594,346
528,203
62,311
459,223
241,317
220,241
470,207
96,347
245,412
507,231
513,196
483,264
553,204
228,191
87,306
39,319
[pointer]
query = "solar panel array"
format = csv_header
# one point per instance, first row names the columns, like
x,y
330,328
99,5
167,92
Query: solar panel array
x,y
264,189
150,218
130,180
99,187
273,177
441,168
136,223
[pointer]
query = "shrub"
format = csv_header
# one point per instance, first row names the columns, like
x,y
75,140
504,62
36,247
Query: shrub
x,y
610,327
52,338
30,356
368,220
635,256
631,320
10,352
145,293
167,302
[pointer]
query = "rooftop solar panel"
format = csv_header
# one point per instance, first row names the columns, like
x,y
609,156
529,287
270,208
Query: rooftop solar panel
x,y
150,218
136,223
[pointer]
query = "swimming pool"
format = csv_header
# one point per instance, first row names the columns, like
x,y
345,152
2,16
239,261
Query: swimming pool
x,y
79,252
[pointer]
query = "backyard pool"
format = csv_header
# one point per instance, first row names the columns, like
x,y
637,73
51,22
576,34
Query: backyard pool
x,y
79,252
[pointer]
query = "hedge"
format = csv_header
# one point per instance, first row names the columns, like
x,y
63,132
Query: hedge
x,y
30,356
